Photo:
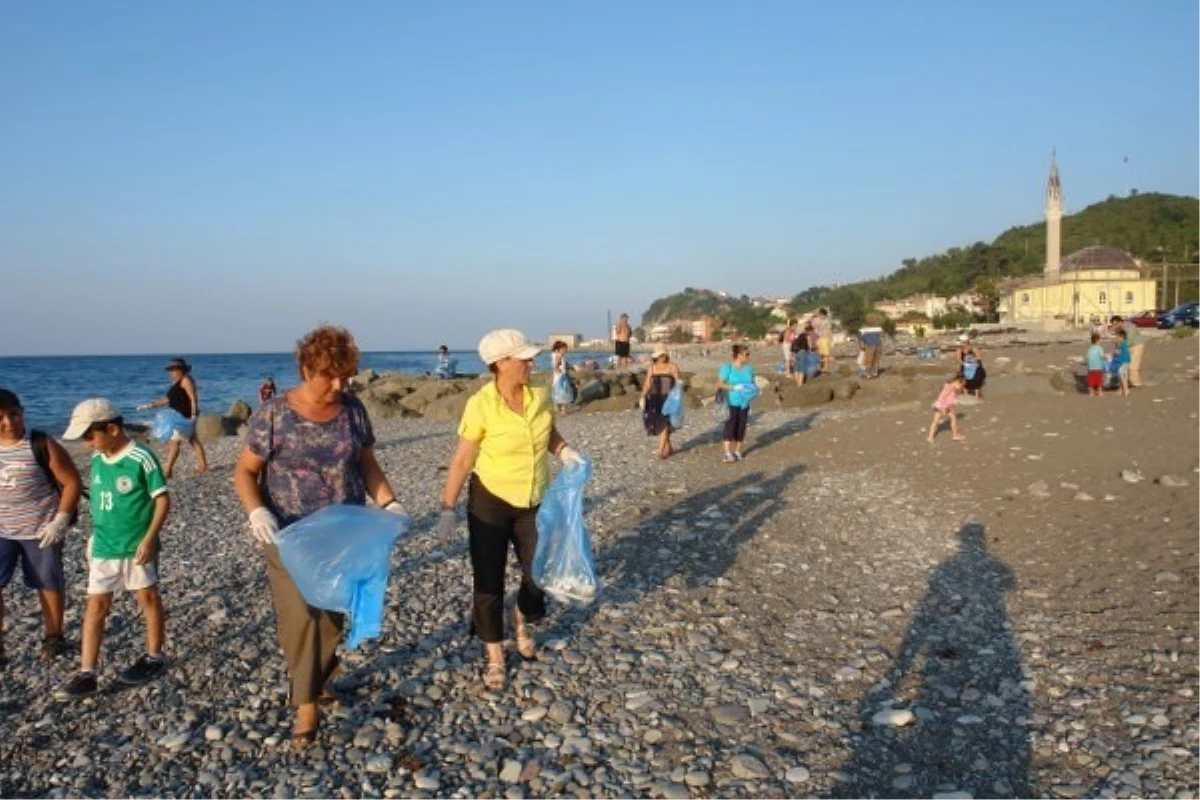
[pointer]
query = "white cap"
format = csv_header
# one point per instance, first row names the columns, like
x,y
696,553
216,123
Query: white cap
x,y
659,350
962,337
505,343
88,413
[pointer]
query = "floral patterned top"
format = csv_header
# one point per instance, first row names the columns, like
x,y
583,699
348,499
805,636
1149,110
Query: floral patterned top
x,y
309,465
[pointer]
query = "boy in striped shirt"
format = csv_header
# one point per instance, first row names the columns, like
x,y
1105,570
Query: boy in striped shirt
x,y
129,506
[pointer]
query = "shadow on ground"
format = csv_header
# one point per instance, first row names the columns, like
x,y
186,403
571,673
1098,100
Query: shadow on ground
x,y
959,671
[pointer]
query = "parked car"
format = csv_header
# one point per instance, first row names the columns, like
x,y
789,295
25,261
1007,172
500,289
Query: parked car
x,y
1147,319
1180,315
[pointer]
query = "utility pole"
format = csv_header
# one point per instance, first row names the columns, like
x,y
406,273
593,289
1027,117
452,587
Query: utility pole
x,y
1163,251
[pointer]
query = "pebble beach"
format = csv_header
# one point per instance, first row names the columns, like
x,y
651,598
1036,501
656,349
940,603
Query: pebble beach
x,y
849,612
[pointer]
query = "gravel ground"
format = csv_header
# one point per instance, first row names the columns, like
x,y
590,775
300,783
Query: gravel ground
x,y
849,612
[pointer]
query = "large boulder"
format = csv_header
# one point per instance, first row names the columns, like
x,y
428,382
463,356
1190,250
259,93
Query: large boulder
x,y
419,400
239,410
448,408
210,427
806,396
392,387
378,407
845,390
623,402
595,389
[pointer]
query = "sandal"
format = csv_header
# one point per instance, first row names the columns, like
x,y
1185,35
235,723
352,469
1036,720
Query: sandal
x,y
494,677
525,644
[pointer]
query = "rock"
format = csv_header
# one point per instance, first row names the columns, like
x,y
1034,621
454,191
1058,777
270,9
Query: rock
x,y
747,767
448,408
1083,496
210,427
593,390
511,773
1131,476
797,775
379,764
624,402
697,778
239,410
419,400
560,712
809,395
175,741
893,718
955,795
1167,577
730,714
1039,489
1172,481
213,733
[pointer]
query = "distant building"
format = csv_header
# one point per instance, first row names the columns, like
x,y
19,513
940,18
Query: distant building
x,y
928,304
1095,282
572,340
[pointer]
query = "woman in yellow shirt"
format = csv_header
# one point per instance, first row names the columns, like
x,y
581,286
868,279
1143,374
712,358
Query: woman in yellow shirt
x,y
504,439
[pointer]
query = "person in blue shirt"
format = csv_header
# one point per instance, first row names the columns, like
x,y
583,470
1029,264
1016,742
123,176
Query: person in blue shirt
x,y
737,380
1122,358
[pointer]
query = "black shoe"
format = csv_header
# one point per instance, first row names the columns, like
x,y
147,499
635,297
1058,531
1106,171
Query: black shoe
x,y
53,647
82,685
145,669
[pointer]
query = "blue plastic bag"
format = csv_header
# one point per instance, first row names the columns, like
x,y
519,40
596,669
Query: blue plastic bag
x,y
969,367
810,365
673,406
169,421
562,564
562,393
338,557
743,393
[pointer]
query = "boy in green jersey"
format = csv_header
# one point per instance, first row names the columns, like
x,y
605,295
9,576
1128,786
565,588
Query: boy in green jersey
x,y
129,506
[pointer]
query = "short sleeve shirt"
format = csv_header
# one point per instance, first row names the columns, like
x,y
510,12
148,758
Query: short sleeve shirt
x,y
513,458
733,376
1133,334
1123,352
1095,358
310,465
122,500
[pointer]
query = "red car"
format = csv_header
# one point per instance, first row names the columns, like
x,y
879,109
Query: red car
x,y
1145,319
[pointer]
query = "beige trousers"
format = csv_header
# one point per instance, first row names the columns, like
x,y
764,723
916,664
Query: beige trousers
x,y
1135,364
309,636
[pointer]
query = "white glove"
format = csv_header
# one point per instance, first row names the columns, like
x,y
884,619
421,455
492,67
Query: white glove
x,y
145,407
569,457
54,531
263,526
444,534
394,507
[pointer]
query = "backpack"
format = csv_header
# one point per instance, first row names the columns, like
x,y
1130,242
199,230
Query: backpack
x,y
38,442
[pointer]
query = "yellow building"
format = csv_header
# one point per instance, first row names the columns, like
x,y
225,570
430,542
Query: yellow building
x,y
1093,283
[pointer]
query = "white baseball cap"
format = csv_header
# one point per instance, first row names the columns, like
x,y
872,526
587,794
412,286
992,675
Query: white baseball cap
x,y
506,343
87,414
962,337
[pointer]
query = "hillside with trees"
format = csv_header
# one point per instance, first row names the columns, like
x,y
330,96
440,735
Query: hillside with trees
x,y
1139,224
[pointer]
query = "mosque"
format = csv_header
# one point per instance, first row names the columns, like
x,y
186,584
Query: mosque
x,y
1095,282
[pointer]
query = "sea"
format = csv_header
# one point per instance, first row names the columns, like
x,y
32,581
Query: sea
x,y
50,386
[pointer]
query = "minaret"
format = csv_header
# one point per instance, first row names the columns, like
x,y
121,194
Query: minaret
x,y
1054,215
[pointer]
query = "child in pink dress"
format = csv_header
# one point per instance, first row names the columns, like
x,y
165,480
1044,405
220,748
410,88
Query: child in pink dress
x,y
943,407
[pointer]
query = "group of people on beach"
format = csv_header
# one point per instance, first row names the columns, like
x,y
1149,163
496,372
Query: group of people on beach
x,y
807,349
310,447
1125,360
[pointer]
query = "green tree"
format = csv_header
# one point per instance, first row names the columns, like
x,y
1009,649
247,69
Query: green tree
x,y
989,298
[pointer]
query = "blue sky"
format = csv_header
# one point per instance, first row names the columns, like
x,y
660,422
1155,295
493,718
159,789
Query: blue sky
x,y
221,176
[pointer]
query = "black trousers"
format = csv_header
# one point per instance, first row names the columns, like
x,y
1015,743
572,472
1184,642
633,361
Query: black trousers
x,y
735,425
492,524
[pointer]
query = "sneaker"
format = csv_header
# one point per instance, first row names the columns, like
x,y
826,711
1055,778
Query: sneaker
x,y
729,458
145,669
53,647
738,456
82,685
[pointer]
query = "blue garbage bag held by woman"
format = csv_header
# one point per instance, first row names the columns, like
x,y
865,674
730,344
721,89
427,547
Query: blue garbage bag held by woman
x,y
562,563
338,558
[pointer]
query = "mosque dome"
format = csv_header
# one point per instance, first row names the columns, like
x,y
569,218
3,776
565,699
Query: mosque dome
x,y
1097,257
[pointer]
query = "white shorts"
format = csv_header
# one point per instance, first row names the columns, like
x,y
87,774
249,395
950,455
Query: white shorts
x,y
110,575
